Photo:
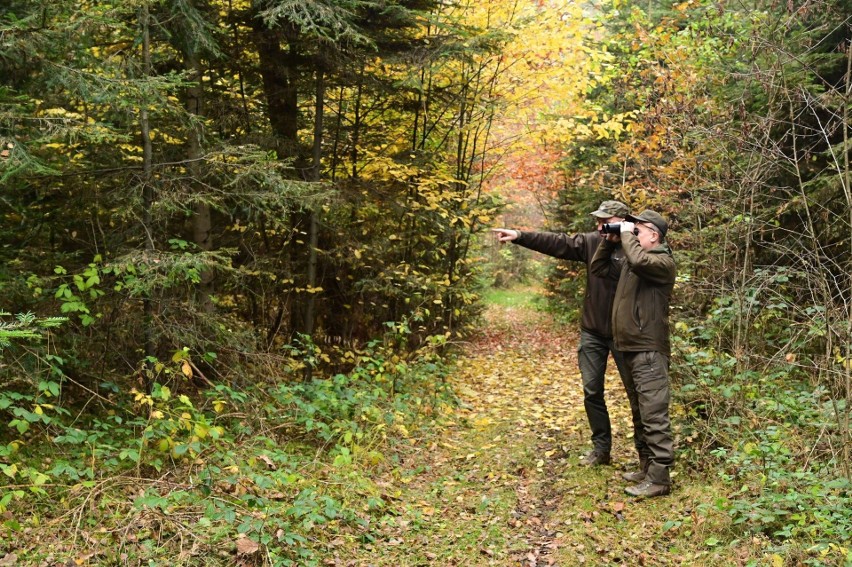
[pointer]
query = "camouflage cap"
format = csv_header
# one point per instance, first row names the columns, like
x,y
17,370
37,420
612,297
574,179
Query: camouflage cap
x,y
611,209
652,217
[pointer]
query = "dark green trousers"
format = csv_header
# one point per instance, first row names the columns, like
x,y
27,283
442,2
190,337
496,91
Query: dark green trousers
x,y
593,354
647,385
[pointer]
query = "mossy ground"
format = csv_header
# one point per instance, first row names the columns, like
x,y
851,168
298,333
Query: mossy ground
x,y
498,482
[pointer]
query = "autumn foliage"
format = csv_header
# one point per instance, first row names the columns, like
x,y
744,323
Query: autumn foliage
x,y
259,226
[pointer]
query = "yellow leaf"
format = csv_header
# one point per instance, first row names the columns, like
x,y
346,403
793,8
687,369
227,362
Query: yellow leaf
x,y
201,430
186,369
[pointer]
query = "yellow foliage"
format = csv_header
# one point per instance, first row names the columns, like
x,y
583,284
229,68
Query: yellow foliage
x,y
141,398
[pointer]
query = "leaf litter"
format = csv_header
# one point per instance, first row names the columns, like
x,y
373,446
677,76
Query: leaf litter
x,y
497,481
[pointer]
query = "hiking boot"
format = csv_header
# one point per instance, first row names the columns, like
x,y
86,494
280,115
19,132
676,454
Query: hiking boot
x,y
638,476
647,489
596,458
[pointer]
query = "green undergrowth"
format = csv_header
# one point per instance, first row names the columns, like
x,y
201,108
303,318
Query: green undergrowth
x,y
772,439
253,475
411,461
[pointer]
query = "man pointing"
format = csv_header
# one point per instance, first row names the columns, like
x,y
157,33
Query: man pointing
x,y
596,340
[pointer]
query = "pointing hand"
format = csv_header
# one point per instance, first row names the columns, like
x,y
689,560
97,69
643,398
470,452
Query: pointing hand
x,y
505,234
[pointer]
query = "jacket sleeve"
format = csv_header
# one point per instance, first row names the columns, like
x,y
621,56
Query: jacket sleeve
x,y
656,265
558,245
603,264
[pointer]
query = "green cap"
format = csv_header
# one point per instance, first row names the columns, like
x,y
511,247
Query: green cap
x,y
611,209
652,217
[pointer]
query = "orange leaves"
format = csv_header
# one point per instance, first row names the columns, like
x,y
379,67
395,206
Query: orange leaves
x,y
543,79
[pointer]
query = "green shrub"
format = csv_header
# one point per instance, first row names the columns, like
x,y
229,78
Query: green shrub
x,y
770,432
266,467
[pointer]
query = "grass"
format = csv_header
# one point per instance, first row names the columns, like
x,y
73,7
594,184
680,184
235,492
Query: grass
x,y
514,297
498,481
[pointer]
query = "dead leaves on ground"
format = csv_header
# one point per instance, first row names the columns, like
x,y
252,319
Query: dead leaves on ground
x,y
523,369
521,422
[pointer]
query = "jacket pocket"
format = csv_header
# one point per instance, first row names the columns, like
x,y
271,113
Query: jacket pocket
x,y
637,304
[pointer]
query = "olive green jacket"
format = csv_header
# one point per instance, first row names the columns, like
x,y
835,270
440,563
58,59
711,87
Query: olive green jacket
x,y
640,311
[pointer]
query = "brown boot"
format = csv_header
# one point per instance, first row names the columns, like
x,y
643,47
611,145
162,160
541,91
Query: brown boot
x,y
638,476
596,458
647,489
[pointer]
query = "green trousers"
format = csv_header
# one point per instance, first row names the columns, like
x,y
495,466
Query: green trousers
x,y
593,354
647,385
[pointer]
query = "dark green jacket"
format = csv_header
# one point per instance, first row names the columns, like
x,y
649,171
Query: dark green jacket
x,y
640,312
600,291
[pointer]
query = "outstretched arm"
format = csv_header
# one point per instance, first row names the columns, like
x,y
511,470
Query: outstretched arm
x,y
557,244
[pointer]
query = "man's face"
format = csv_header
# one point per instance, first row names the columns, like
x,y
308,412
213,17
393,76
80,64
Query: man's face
x,y
647,235
609,220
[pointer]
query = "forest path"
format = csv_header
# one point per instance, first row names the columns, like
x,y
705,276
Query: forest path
x,y
498,481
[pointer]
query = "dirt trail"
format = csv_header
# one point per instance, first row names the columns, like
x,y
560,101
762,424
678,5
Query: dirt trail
x,y
501,485
526,365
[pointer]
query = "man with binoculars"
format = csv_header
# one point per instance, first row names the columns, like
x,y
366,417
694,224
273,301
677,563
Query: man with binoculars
x,y
596,341
642,260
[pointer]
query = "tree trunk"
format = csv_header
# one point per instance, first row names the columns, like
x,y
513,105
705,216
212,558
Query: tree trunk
x,y
356,123
278,70
201,219
846,433
147,196
313,236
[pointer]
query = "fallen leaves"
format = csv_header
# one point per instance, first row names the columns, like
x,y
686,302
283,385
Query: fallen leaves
x,y
247,546
500,483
